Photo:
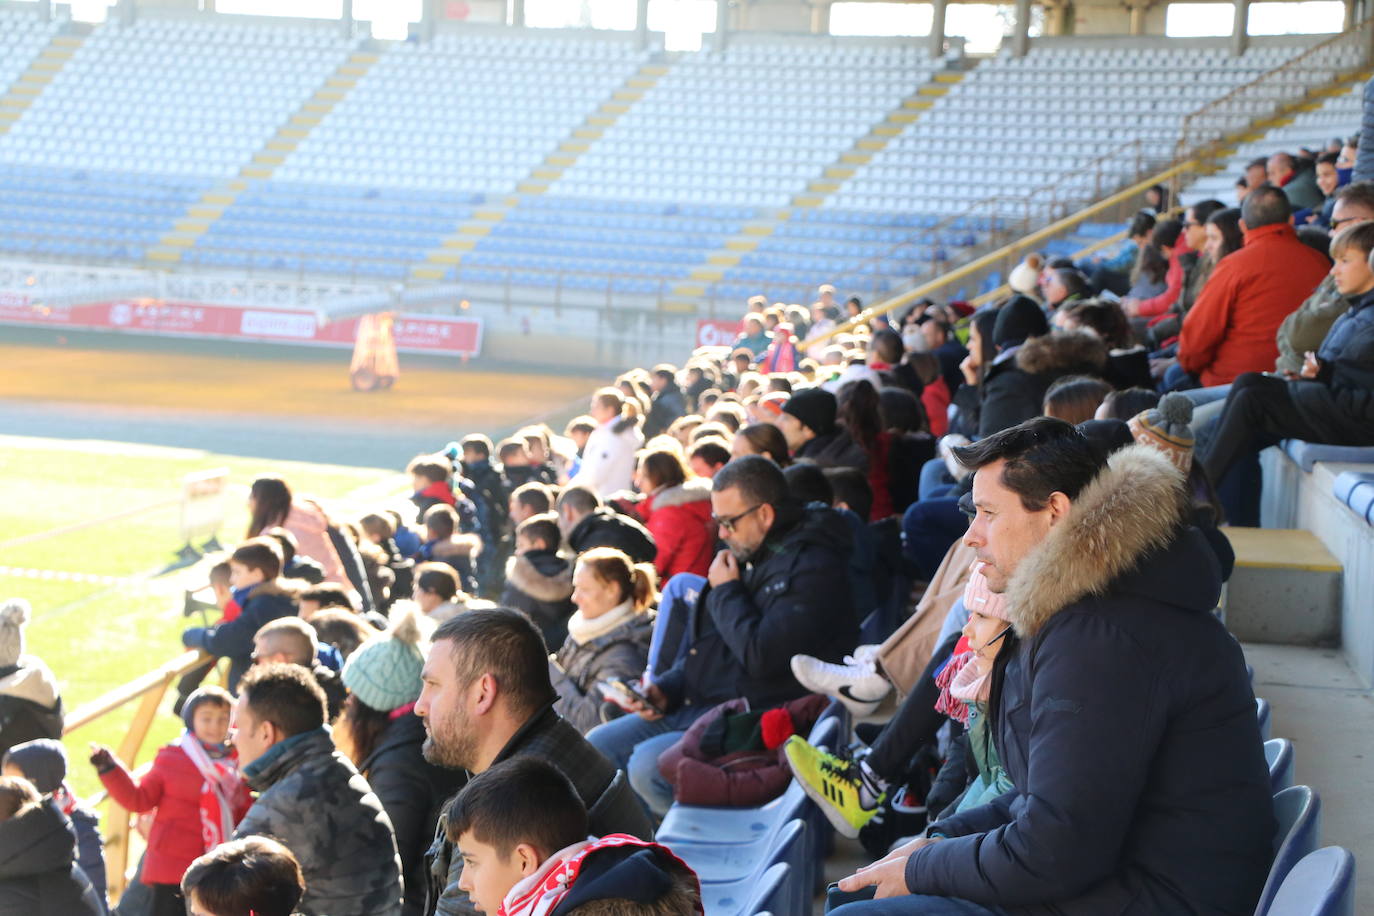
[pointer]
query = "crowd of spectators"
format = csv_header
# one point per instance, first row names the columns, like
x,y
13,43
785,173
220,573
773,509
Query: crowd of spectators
x,y
1006,519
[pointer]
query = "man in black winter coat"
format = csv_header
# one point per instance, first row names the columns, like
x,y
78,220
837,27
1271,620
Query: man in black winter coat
x,y
38,871
586,523
668,403
808,424
780,589
486,699
1124,716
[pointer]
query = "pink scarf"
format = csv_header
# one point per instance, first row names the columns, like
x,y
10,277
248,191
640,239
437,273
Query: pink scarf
x,y
216,792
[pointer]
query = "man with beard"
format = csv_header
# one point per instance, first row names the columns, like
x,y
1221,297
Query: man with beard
x,y
780,589
487,698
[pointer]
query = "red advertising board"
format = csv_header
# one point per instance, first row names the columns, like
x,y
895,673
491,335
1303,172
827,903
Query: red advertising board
x,y
716,332
443,334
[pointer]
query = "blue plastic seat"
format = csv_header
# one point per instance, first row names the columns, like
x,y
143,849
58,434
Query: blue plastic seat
x,y
1307,454
771,892
1278,753
739,826
1262,714
1298,812
1321,884
726,863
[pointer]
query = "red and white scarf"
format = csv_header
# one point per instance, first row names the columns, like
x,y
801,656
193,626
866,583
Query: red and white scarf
x,y
216,792
540,893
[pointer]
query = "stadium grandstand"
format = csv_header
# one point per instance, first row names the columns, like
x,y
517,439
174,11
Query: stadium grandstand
x,y
797,456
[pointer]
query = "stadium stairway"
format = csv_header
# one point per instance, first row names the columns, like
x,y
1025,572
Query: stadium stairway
x,y
752,234
202,214
35,78
450,251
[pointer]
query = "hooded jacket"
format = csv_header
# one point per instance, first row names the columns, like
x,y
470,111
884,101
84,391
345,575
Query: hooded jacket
x,y
792,598
171,788
1339,403
1014,386
412,792
233,639
608,459
30,706
605,527
1126,723
679,519
667,406
1233,326
539,582
38,871
314,801
835,449
458,552
576,669
612,806
615,867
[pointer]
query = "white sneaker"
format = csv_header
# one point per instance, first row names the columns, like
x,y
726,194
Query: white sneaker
x,y
859,687
864,655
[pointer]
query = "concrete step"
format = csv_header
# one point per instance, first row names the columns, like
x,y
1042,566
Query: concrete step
x,y
1286,588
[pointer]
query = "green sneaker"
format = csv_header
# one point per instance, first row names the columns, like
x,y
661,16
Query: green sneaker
x,y
833,783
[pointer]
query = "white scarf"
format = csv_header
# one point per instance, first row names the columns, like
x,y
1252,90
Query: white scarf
x,y
584,631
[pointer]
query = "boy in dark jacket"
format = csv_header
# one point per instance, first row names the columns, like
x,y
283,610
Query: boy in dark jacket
x,y
492,496
523,831
43,762
254,571
444,543
434,482
1332,399
538,580
38,872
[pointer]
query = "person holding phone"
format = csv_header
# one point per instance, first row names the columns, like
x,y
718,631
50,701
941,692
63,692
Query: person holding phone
x,y
780,588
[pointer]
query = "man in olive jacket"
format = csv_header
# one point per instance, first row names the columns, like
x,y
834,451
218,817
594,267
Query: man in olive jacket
x,y
311,798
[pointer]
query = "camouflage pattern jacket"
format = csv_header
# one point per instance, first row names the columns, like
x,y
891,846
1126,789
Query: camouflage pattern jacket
x,y
323,810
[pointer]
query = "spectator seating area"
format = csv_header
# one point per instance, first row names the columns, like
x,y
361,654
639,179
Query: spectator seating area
x,y
431,135
1079,103
1311,129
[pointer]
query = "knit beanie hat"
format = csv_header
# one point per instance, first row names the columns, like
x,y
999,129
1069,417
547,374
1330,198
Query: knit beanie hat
x,y
43,762
384,672
1107,435
978,597
1167,428
815,408
14,614
1017,321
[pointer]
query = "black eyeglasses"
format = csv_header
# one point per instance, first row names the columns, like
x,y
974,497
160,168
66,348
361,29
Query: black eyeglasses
x,y
730,522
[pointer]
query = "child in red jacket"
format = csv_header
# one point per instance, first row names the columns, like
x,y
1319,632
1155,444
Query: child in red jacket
x,y
195,787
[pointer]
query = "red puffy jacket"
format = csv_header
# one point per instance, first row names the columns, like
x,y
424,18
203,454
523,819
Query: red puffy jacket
x,y
679,518
172,786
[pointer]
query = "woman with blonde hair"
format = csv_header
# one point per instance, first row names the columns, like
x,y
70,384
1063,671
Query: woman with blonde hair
x,y
608,634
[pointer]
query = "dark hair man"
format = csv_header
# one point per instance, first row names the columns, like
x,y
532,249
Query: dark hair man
x,y
1124,715
487,698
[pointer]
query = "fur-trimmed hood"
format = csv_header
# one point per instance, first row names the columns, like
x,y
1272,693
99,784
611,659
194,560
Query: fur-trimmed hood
x,y
689,491
1063,353
1134,506
460,545
540,578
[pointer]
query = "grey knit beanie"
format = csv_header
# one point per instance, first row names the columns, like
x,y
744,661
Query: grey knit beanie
x,y
14,614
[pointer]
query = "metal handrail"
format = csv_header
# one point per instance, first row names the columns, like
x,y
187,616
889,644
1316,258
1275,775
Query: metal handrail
x,y
1014,249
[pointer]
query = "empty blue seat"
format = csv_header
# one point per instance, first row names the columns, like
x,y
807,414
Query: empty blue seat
x,y
1298,812
1278,753
725,863
771,893
1262,714
1321,884
1307,454
1356,490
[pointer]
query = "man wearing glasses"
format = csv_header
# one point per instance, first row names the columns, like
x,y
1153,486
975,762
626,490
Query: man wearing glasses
x,y
780,588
